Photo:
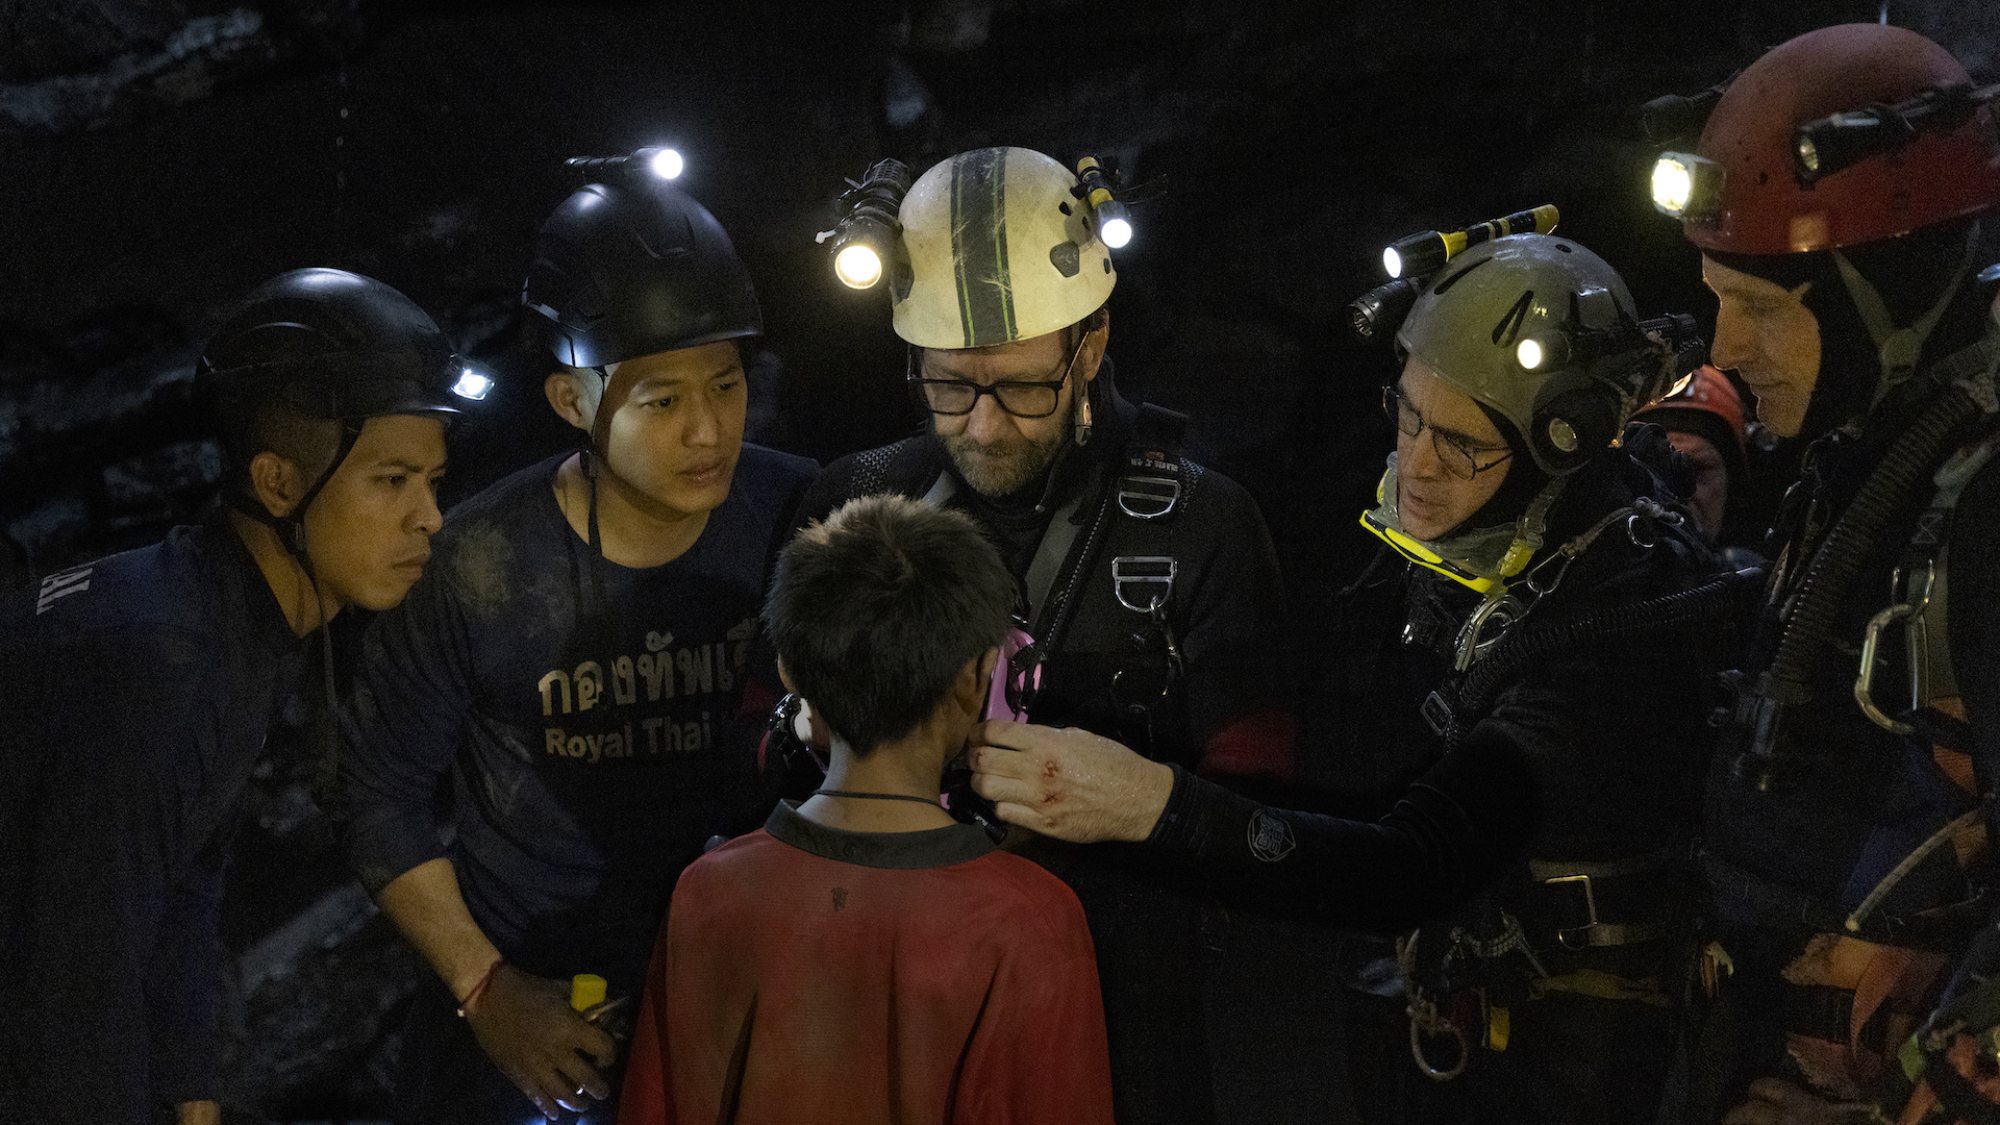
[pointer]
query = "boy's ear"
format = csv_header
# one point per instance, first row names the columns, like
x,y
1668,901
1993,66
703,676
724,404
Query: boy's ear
x,y
785,677
969,692
568,401
275,481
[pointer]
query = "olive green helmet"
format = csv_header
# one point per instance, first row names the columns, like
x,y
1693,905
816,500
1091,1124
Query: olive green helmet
x,y
1586,365
1001,248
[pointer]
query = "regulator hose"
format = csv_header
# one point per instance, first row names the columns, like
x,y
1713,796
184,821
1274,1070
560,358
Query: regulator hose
x,y
1823,591
1711,601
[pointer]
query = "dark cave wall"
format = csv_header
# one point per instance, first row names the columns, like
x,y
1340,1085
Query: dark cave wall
x,y
160,158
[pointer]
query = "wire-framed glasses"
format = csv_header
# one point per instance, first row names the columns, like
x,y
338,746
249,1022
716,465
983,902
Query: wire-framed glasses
x,y
1458,453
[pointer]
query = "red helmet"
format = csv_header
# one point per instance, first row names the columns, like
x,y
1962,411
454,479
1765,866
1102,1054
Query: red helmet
x,y
1940,174
1708,406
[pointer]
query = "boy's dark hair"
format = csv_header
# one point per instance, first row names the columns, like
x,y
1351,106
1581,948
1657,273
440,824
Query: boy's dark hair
x,y
877,608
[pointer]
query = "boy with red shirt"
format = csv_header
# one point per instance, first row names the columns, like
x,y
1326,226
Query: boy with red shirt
x,y
864,957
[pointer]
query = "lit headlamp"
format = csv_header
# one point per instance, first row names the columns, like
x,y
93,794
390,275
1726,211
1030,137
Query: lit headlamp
x,y
1673,338
1114,221
471,383
656,160
1542,351
868,234
1376,314
1687,187
1426,251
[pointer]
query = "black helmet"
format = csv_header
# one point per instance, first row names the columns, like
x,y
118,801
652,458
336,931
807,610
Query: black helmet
x,y
329,344
630,269
326,344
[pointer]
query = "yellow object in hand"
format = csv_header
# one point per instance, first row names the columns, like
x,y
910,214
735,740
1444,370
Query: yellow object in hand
x,y
586,991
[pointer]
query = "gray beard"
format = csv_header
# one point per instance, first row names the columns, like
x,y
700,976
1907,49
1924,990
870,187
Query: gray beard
x,y
1021,463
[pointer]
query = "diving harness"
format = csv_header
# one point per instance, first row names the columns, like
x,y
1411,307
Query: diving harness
x,y
1496,641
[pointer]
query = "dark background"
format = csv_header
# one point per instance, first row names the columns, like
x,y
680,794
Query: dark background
x,y
158,158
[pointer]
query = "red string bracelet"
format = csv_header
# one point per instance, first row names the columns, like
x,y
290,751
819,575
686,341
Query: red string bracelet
x,y
465,1005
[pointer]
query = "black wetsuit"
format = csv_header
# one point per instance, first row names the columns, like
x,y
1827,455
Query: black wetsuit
x,y
1581,753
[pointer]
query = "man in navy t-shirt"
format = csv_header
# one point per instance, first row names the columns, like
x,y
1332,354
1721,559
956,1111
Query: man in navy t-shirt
x,y
576,665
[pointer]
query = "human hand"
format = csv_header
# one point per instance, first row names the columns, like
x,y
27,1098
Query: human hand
x,y
1774,1101
1069,784
525,1025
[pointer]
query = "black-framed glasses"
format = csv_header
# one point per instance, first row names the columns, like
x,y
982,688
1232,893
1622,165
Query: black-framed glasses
x,y
1023,398
1458,453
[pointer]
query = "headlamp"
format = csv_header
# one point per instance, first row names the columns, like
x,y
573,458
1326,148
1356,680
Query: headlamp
x,y
1418,254
1687,187
1114,221
1542,350
655,160
1409,261
1841,140
471,383
1672,337
858,265
1376,314
664,163
1426,251
868,235
1671,116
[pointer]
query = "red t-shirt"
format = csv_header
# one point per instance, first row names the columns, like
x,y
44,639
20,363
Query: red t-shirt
x,y
808,973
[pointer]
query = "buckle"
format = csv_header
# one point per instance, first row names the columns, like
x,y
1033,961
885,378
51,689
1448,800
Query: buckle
x,y
1148,498
1140,570
1437,715
1578,937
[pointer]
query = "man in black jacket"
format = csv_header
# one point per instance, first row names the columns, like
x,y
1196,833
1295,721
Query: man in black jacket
x,y
1147,581
1545,696
142,687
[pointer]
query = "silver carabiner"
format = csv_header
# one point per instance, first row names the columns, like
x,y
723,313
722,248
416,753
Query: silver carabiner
x,y
1911,611
1864,683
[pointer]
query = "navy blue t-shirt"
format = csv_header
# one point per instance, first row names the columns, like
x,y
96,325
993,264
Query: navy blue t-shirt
x,y
140,690
589,714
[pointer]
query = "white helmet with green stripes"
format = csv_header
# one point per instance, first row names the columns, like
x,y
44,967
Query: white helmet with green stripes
x,y
1000,249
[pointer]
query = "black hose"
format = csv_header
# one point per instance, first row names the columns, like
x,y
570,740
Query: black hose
x,y
1710,600
1823,592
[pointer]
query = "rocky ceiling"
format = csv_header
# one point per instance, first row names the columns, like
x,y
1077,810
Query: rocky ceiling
x,y
160,157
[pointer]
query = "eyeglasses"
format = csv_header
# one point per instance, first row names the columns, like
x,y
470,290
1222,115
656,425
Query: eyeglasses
x,y
1023,398
1458,453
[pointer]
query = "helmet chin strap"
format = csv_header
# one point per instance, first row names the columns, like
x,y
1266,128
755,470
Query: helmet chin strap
x,y
1897,349
291,527
1482,559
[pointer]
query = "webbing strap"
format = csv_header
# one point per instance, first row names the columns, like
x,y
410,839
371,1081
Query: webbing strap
x,y
1055,549
1897,348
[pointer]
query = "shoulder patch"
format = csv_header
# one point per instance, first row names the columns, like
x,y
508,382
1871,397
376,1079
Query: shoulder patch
x,y
1271,837
58,586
